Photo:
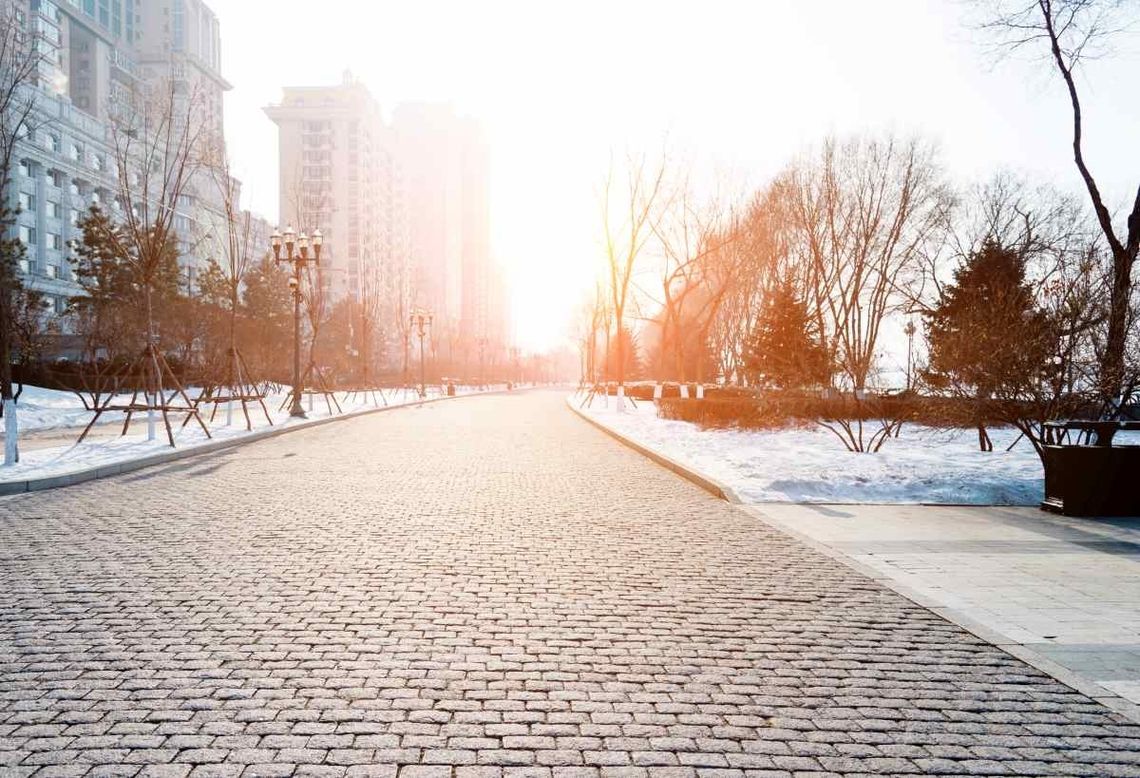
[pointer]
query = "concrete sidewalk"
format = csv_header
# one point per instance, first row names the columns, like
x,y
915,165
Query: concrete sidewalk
x,y
1047,587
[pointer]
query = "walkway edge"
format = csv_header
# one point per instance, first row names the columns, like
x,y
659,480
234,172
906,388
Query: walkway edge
x,y
8,488
710,485
1022,651
1077,683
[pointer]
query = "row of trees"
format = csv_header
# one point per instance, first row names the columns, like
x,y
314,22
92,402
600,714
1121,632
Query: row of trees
x,y
143,323
1024,293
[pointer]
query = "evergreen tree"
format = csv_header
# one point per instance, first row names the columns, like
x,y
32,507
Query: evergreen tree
x,y
785,349
987,337
107,314
267,340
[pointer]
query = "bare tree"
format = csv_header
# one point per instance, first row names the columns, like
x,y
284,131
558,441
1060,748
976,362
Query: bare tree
x,y
1073,31
157,141
759,255
19,67
863,210
689,235
371,307
627,210
236,244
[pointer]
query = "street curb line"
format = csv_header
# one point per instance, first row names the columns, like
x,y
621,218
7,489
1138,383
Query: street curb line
x,y
1021,651
8,488
1079,684
710,485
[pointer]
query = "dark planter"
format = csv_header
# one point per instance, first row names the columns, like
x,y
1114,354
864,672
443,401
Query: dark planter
x,y
1092,480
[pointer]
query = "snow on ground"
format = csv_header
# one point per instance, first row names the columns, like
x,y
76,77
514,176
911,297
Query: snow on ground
x,y
42,409
811,465
49,409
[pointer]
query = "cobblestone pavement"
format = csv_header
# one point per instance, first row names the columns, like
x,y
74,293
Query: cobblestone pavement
x,y
479,588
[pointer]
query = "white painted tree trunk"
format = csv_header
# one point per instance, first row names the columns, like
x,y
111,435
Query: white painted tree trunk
x,y
230,413
684,391
11,434
700,391
620,402
151,418
658,390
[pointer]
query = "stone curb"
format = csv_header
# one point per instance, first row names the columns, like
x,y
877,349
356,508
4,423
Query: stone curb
x,y
1077,683
8,488
712,486
1050,667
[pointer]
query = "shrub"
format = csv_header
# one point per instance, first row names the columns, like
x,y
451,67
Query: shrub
x,y
748,412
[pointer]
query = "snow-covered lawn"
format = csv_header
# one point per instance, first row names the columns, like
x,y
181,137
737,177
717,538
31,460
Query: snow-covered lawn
x,y
49,409
43,409
811,465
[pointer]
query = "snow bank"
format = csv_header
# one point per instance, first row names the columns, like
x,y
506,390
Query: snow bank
x,y
49,409
63,409
923,465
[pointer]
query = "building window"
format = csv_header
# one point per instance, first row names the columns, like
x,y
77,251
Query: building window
x,y
179,36
75,152
52,142
28,235
56,177
49,271
55,241
25,168
27,202
53,210
60,304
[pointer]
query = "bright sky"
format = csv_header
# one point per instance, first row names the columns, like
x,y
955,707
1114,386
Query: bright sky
x,y
738,87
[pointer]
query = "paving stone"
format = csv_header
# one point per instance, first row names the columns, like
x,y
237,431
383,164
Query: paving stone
x,y
482,589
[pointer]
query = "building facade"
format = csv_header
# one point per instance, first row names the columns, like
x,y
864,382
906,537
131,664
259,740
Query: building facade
x,y
338,173
97,55
403,205
446,164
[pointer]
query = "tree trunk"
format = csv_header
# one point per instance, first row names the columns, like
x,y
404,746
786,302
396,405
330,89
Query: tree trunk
x,y
11,425
1112,362
150,382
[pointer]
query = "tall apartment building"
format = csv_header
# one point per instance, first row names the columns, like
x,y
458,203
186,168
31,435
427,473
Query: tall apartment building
x,y
445,162
97,54
338,173
408,200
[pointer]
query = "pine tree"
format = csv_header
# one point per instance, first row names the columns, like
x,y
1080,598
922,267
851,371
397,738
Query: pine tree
x,y
785,349
267,303
987,337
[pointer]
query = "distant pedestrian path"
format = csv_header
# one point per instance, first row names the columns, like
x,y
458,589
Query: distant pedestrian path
x,y
488,583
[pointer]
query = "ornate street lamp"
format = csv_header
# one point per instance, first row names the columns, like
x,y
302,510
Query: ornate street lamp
x,y
421,320
296,253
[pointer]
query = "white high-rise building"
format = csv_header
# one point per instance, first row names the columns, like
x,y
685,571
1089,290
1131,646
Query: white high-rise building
x,y
339,173
97,55
408,200
446,166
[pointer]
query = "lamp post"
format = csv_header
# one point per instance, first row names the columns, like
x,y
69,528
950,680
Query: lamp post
x,y
297,254
421,320
515,364
909,329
